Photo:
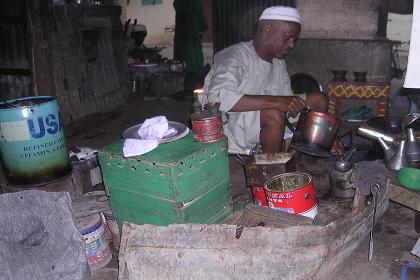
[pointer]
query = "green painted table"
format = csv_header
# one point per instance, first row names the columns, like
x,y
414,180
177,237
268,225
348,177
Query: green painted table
x,y
178,182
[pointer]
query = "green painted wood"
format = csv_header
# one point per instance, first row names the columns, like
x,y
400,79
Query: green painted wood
x,y
167,154
144,209
178,182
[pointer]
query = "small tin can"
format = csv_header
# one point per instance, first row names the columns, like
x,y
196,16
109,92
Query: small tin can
x,y
206,128
292,192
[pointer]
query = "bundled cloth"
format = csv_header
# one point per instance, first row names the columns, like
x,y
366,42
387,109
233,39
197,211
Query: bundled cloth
x,y
81,153
372,172
150,134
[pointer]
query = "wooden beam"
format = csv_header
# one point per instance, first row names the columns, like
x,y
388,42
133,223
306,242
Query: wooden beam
x,y
36,12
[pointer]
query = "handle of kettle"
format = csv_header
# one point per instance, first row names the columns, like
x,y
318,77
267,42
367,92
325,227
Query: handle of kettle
x,y
305,110
225,120
287,122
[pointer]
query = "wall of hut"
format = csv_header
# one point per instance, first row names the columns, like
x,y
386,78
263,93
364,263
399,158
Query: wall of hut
x,y
334,33
15,78
74,52
88,59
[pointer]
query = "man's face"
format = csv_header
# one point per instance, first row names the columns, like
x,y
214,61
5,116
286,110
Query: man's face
x,y
283,38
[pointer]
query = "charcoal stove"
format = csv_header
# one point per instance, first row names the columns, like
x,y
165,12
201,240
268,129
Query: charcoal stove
x,y
148,69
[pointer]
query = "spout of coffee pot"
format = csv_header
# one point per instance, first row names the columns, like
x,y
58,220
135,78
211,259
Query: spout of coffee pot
x,y
374,134
388,150
413,146
347,156
399,159
408,120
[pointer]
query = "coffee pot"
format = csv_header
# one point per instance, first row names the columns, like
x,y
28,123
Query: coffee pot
x,y
341,182
399,151
399,158
413,146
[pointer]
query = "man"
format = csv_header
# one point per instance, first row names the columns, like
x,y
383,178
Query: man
x,y
251,82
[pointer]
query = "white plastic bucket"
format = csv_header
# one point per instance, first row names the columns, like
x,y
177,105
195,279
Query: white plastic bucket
x,y
98,252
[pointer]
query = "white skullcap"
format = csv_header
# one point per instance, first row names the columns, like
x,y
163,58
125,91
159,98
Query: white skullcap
x,y
281,13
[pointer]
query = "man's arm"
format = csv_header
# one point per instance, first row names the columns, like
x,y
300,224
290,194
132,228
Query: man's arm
x,y
291,104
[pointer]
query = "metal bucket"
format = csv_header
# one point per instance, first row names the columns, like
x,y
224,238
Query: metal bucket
x,y
33,150
293,193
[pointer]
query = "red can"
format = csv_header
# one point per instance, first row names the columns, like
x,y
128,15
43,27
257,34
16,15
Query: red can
x,y
258,194
293,193
206,128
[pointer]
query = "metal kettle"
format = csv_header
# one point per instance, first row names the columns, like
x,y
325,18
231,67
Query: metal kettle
x,y
341,177
407,152
387,149
374,134
399,159
413,146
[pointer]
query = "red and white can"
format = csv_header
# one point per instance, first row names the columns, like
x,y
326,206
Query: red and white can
x,y
207,130
293,193
258,194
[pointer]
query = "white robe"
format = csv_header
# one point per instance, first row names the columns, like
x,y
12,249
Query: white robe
x,y
238,70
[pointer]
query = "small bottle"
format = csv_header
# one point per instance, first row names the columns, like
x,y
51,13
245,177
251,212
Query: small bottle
x,y
196,106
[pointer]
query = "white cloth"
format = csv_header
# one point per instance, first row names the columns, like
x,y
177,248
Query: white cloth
x,y
150,132
238,70
154,128
281,13
136,147
412,77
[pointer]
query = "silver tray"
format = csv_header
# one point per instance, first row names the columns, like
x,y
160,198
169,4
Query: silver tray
x,y
181,130
144,65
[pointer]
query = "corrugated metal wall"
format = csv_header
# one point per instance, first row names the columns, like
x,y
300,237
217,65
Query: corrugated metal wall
x,y
235,20
13,51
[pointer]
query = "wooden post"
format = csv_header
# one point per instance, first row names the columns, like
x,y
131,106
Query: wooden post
x,y
39,45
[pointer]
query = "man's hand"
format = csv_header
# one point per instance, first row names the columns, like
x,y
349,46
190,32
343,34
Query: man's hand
x,y
337,148
292,104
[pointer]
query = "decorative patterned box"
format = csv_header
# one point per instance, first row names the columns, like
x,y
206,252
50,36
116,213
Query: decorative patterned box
x,y
347,95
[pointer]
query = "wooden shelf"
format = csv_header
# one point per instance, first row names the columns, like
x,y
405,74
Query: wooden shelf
x,y
404,196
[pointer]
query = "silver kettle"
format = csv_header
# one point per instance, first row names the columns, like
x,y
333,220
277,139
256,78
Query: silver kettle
x,y
413,146
399,159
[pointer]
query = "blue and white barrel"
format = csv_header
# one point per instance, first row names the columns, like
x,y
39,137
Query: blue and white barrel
x,y
33,149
